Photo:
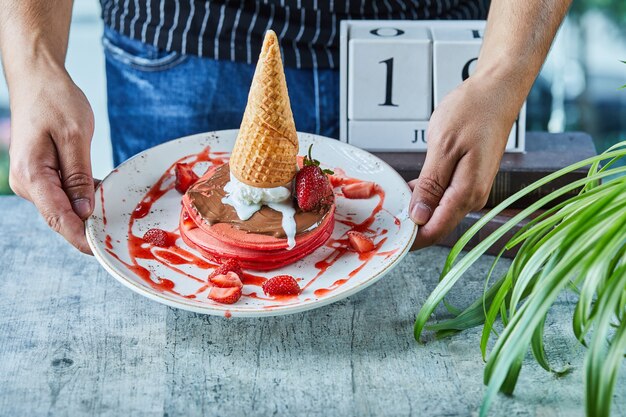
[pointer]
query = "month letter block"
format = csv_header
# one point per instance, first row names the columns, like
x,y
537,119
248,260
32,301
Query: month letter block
x,y
389,136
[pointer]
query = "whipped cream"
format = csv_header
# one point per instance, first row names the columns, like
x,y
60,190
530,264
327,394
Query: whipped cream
x,y
247,200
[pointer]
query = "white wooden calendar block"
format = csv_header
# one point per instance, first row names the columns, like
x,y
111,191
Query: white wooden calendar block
x,y
389,136
518,142
511,142
403,136
455,54
390,73
384,106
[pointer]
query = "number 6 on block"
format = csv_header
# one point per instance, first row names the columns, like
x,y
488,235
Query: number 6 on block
x,y
389,74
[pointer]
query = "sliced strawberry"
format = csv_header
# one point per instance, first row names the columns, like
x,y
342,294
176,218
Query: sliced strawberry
x,y
225,295
158,237
229,265
228,280
360,242
185,177
281,285
360,190
335,180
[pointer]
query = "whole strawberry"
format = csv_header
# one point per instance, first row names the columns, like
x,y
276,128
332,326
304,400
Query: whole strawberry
x,y
281,285
313,188
158,237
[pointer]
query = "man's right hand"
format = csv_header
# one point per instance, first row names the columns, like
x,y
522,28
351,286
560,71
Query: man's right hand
x,y
52,126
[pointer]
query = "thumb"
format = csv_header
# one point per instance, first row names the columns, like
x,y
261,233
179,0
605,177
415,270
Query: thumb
x,y
76,176
429,188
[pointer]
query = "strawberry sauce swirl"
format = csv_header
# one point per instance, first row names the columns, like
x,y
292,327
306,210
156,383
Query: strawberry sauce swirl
x,y
178,254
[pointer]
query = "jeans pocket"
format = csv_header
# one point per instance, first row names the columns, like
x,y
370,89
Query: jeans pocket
x,y
138,55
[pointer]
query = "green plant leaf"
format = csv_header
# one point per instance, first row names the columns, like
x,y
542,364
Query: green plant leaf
x,y
578,245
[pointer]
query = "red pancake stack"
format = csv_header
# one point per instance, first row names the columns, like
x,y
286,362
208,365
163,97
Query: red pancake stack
x,y
253,251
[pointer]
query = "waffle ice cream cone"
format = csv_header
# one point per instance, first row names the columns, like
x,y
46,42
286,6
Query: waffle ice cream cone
x,y
265,152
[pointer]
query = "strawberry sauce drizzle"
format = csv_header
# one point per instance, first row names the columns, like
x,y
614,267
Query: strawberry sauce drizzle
x,y
174,256
251,279
364,226
104,215
396,220
341,246
364,257
163,285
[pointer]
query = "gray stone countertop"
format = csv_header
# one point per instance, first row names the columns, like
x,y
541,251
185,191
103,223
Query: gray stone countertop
x,y
75,342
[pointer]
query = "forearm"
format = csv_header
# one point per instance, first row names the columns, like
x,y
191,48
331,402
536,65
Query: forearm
x,y
516,41
33,35
468,130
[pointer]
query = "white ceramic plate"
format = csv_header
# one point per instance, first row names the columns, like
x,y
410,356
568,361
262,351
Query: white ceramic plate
x,y
177,276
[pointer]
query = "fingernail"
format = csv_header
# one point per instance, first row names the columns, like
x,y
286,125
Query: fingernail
x,y
82,207
420,213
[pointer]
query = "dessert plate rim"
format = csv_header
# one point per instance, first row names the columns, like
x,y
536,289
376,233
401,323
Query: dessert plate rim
x,y
99,252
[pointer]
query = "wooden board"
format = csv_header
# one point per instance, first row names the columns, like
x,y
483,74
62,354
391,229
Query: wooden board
x,y
74,342
545,153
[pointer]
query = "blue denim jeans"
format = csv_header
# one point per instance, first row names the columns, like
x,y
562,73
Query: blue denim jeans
x,y
155,95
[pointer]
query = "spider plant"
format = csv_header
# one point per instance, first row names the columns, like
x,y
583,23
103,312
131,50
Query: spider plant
x,y
578,245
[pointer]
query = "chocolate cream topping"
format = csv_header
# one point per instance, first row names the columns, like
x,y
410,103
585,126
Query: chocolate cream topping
x,y
206,196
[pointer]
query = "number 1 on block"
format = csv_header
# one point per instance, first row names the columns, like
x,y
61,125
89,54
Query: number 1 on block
x,y
388,83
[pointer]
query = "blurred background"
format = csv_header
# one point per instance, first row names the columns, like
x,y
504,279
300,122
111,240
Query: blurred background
x,y
578,88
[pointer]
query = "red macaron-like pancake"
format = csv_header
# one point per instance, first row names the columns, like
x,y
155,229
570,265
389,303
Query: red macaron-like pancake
x,y
253,250
261,258
227,233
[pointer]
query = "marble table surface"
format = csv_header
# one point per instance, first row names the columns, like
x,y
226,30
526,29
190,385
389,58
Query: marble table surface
x,y
75,342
